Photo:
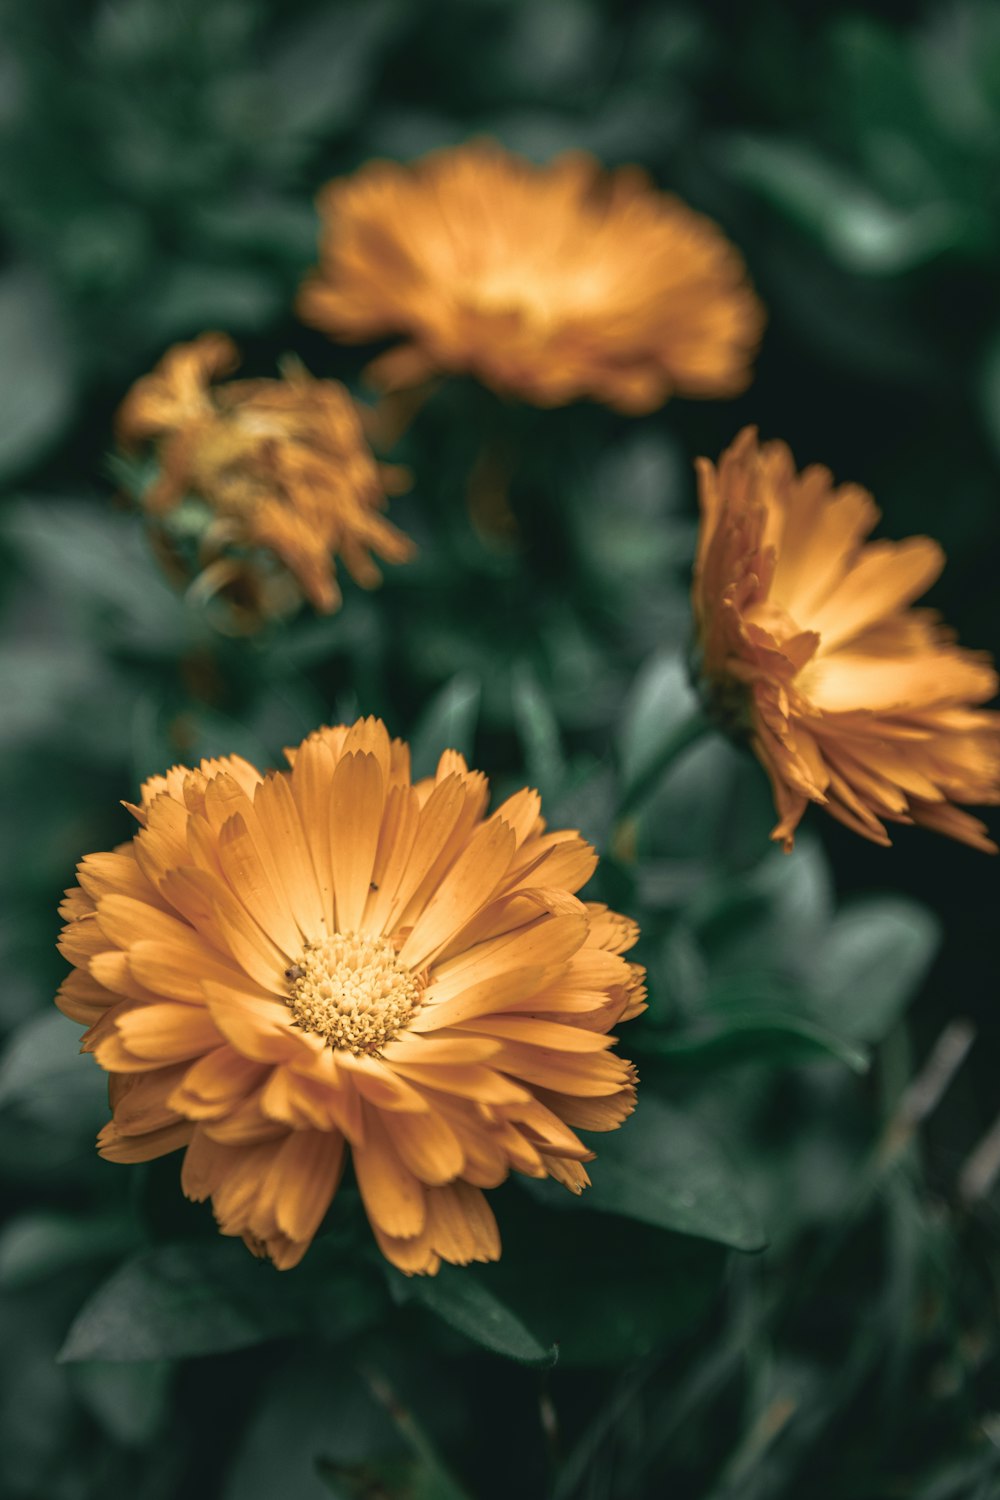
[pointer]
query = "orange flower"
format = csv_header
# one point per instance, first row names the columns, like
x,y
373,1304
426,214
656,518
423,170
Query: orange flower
x,y
546,283
282,467
277,967
808,648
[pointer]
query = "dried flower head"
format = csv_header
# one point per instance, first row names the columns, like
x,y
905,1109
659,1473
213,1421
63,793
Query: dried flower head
x,y
808,648
546,283
281,469
280,967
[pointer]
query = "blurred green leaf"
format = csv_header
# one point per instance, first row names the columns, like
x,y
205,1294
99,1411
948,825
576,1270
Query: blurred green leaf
x,y
661,718
627,527
851,322
643,475
422,1475
871,963
663,1169
767,1036
661,699
36,1246
175,1301
312,1411
655,1288
538,728
38,1423
319,74
100,559
713,804
768,920
37,374
972,1477
274,226
198,295
42,682
130,1402
586,802
458,1296
448,722
181,1300
44,1079
858,227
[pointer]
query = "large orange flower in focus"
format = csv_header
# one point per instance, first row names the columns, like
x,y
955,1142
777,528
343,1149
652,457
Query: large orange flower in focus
x,y
546,283
281,466
809,649
278,968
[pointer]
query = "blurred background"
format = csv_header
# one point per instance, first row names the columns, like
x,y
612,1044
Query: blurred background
x,y
158,163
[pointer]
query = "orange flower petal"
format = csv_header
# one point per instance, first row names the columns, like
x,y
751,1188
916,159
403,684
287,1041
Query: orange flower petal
x,y
393,1196
356,806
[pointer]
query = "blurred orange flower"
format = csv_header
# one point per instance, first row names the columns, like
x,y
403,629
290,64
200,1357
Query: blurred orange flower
x,y
282,467
546,283
809,649
279,967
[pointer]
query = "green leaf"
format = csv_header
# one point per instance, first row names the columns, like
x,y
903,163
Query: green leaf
x,y
205,1297
661,718
856,224
712,801
180,1300
94,557
459,1298
662,1169
763,1036
972,1477
44,1078
668,1290
625,519
871,963
586,801
769,921
321,72
36,369
538,730
37,1246
45,682
447,723
130,1403
421,1476
195,294
37,1412
313,1412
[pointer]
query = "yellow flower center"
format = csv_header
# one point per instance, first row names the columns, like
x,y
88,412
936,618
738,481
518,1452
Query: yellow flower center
x,y
353,991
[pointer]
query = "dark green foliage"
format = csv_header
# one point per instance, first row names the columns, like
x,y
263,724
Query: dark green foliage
x,y
777,1286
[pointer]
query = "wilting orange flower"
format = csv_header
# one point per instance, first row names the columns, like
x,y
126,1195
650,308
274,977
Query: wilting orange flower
x,y
281,465
809,648
546,283
278,967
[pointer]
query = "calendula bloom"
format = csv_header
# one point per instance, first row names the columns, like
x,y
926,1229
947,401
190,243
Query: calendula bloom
x,y
278,969
281,468
546,283
808,648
